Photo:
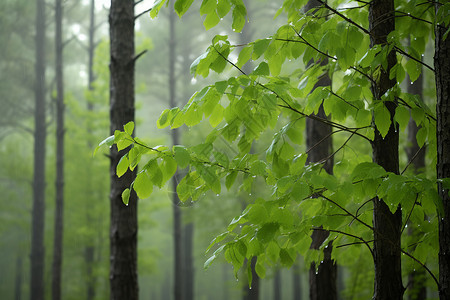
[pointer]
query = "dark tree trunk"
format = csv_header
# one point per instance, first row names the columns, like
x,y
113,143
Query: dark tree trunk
x,y
252,293
442,69
387,226
297,293
322,279
178,286
40,135
18,279
416,279
277,285
123,227
59,201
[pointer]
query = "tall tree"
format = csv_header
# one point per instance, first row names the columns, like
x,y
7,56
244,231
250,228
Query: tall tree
x,y
89,251
322,278
123,227
177,226
416,155
40,134
387,225
442,70
59,199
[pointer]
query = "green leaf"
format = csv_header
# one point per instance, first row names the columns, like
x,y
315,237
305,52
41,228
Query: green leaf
x,y
211,20
402,116
368,170
208,6
109,141
259,47
262,69
414,69
182,156
229,180
129,127
421,136
143,185
260,269
122,166
267,232
382,119
223,7
181,6
126,196
156,7
244,55
239,15
221,86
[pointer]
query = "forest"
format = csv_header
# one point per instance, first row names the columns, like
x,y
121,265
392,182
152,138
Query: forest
x,y
225,149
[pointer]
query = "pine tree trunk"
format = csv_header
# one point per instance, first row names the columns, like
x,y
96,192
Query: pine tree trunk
x,y
59,201
387,226
40,135
442,70
123,227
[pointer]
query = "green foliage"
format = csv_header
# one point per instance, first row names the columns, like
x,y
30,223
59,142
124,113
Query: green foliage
x,y
276,96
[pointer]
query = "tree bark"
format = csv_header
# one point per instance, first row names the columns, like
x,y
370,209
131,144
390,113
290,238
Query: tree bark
x,y
59,201
188,261
123,227
40,135
387,226
442,70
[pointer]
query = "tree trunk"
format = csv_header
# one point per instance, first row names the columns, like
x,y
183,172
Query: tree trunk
x,y
188,261
40,135
123,227
251,293
416,279
89,250
387,226
322,280
442,70
297,293
18,280
277,285
59,201
177,226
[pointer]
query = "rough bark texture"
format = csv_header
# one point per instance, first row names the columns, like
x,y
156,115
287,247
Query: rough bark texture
x,y
387,226
40,135
442,69
59,200
123,227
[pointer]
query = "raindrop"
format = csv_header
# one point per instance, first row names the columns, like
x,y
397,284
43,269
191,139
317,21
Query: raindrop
x,y
423,55
250,194
250,288
217,195
412,82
